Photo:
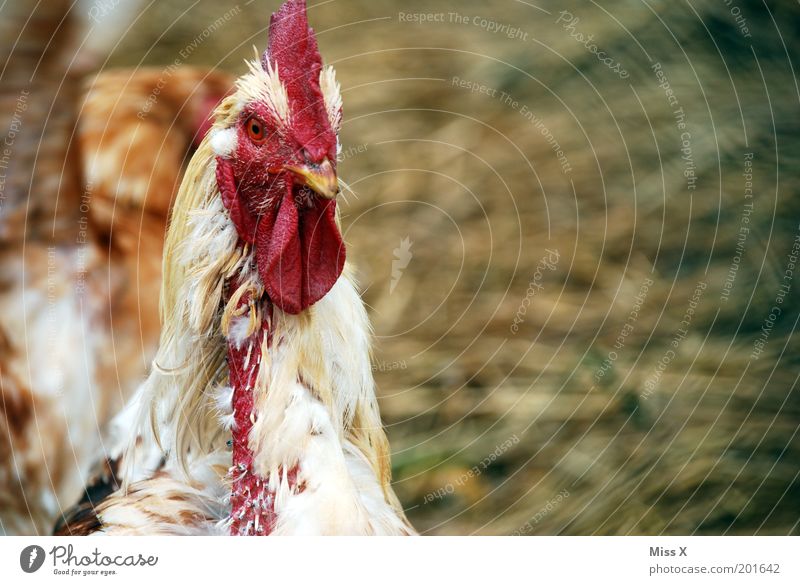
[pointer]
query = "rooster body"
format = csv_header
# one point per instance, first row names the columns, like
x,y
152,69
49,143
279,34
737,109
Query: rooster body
x,y
260,415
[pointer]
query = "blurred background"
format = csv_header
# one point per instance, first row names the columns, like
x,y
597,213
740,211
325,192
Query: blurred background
x,y
576,228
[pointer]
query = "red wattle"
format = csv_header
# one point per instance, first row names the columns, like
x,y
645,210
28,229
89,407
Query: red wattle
x,y
322,249
300,255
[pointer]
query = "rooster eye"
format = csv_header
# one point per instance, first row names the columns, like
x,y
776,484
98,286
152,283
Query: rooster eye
x,y
255,130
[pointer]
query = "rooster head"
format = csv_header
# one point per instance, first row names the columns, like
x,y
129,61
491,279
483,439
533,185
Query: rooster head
x,y
275,140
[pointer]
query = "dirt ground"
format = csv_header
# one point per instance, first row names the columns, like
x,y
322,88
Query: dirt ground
x,y
576,227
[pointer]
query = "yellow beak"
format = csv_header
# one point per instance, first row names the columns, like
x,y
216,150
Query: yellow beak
x,y
319,178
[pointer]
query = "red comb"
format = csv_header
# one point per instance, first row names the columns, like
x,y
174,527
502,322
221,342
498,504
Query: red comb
x,y
293,49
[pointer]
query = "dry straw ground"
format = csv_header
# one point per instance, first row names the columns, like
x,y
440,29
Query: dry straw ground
x,y
597,411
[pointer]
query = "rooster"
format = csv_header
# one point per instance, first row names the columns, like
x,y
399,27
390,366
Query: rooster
x,y
85,189
261,397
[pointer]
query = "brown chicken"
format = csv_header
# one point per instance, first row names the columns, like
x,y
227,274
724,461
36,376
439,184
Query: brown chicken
x,y
87,174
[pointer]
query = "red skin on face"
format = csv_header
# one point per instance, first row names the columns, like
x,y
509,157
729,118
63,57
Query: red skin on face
x,y
298,247
299,250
